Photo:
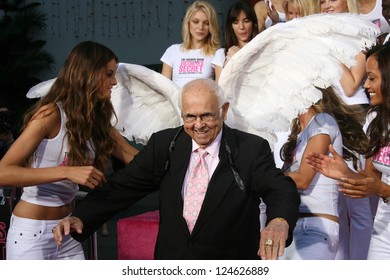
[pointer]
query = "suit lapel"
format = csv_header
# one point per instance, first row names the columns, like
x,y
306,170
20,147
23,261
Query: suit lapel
x,y
180,158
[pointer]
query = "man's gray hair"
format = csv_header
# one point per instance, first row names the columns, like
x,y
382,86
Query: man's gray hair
x,y
214,87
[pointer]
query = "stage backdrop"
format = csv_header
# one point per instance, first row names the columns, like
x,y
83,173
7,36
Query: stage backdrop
x,y
138,31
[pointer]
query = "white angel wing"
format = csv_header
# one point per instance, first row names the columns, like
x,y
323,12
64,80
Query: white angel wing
x,y
144,101
273,78
40,89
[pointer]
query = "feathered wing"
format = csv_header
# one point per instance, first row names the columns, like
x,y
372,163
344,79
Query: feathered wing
x,y
40,89
144,101
274,77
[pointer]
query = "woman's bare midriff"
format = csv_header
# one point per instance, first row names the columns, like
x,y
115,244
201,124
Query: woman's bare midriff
x,y
28,210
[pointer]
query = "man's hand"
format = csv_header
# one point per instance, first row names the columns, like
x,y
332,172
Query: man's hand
x,y
65,227
273,239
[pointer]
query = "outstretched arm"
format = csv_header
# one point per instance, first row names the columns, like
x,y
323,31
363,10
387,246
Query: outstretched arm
x,y
66,226
273,239
352,184
123,150
333,166
279,193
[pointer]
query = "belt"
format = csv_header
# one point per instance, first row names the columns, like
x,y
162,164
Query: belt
x,y
326,216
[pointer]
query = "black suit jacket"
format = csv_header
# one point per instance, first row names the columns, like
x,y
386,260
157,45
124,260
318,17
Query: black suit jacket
x,y
228,223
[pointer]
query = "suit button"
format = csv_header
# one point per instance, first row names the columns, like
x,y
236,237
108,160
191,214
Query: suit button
x,y
190,243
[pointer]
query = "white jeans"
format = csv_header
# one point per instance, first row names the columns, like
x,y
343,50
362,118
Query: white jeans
x,y
356,223
314,238
29,239
380,241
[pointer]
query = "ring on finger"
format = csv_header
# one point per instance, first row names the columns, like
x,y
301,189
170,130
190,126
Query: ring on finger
x,y
268,242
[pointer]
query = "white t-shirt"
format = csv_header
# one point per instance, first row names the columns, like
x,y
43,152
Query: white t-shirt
x,y
322,194
219,57
376,17
381,162
188,65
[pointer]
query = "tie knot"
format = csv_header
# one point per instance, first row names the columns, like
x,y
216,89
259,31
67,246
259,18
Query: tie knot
x,y
202,152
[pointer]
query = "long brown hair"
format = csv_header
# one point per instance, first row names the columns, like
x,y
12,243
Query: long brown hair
x,y
350,119
233,13
77,87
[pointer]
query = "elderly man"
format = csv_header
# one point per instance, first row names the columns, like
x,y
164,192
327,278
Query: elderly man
x,y
210,179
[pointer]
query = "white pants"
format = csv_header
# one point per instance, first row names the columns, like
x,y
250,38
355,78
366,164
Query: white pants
x,y
314,238
356,223
29,239
380,241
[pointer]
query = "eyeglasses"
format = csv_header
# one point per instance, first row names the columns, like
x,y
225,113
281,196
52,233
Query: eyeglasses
x,y
205,117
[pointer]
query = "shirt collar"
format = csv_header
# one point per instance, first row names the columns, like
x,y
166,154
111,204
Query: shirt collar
x,y
213,148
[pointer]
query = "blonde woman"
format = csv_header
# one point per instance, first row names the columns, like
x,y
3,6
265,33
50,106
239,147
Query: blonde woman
x,y
201,39
299,8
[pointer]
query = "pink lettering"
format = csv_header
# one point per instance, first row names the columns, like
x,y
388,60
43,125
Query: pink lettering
x,y
191,66
377,22
383,156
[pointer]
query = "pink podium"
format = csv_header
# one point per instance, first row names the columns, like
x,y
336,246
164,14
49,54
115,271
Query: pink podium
x,y
137,236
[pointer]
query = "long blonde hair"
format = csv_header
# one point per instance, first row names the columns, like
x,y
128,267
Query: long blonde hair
x,y
78,89
352,6
304,7
212,41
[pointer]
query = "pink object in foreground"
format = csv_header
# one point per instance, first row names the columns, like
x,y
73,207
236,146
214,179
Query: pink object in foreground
x,y
137,236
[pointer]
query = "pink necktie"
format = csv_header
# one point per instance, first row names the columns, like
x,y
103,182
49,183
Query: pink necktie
x,y
196,189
